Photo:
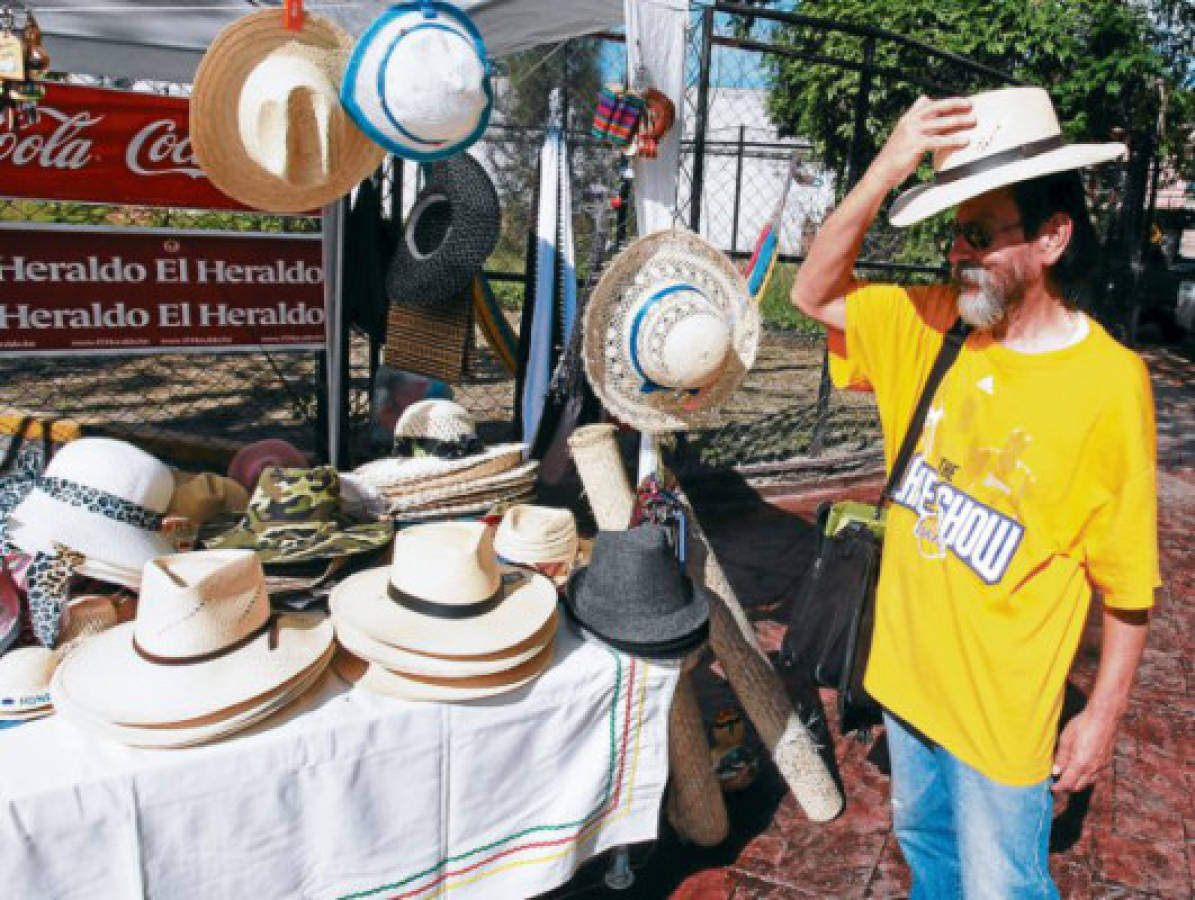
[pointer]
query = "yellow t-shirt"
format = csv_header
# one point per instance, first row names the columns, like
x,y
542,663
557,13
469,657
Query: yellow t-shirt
x,y
1032,483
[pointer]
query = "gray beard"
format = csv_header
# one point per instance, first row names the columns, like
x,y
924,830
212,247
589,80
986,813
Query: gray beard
x,y
982,302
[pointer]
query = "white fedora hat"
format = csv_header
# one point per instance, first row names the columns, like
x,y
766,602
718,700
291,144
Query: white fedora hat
x,y
418,81
25,675
266,121
380,680
532,535
1016,137
443,594
670,332
103,498
202,730
406,662
203,641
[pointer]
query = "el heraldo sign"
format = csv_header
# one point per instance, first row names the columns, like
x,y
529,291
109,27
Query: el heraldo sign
x,y
72,290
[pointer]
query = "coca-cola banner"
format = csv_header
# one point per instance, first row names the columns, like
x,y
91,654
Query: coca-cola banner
x,y
66,290
103,146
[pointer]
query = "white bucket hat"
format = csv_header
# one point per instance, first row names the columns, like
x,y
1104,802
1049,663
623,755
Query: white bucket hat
x,y
418,81
1016,137
443,594
103,498
204,641
670,332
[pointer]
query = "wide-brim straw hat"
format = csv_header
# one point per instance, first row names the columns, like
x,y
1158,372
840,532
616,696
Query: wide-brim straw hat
x,y
696,285
226,70
380,680
465,491
487,506
1016,138
205,729
25,675
395,659
399,476
443,594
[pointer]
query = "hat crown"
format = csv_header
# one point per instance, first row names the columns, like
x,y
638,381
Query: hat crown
x,y
532,534
201,602
450,563
635,570
116,468
285,111
287,497
1004,120
25,676
441,420
678,337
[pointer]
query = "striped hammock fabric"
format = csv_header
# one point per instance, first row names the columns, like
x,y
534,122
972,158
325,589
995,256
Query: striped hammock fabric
x,y
762,263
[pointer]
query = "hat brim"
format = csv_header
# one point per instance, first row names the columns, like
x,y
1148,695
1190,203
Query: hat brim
x,y
215,135
401,475
117,550
473,508
395,659
211,728
350,541
380,680
362,602
107,679
925,200
359,90
674,253
664,650
628,628
463,491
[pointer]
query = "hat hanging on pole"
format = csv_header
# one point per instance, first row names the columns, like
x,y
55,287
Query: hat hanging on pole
x,y
266,123
418,81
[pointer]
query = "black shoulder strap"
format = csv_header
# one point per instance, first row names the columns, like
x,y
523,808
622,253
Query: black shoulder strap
x,y
952,343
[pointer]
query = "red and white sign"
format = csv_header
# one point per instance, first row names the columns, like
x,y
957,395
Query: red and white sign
x,y
66,289
99,146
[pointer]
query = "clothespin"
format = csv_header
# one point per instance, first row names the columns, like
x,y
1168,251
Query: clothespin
x,y
292,15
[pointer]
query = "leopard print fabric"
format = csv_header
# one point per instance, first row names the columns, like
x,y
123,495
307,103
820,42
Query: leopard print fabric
x,y
47,585
107,505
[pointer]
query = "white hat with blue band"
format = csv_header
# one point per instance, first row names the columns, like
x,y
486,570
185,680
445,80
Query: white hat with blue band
x,y
418,81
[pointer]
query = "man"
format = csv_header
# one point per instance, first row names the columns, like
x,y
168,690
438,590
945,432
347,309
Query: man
x,y
1033,483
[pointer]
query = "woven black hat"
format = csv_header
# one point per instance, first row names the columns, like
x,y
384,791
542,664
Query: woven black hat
x,y
634,595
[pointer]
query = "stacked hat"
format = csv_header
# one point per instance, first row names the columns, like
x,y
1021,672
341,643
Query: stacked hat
x,y
266,122
442,622
442,469
418,81
634,595
669,332
294,517
538,537
204,657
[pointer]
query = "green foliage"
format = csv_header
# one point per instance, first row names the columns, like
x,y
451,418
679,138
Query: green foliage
x,y
1104,62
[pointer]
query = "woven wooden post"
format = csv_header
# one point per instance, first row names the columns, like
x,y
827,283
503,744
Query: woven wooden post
x,y
696,807
759,689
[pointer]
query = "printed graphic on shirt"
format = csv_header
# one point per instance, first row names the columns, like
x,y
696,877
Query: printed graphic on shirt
x,y
951,521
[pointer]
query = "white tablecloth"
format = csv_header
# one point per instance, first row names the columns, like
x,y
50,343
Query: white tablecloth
x,y
349,794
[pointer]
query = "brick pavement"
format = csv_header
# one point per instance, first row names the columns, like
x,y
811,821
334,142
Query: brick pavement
x,y
1132,835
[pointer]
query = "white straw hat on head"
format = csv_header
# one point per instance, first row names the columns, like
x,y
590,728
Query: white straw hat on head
x,y
25,675
670,331
103,498
443,594
1016,137
203,641
418,81
530,535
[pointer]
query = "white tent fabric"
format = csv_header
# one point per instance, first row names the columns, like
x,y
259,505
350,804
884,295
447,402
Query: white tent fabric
x,y
163,40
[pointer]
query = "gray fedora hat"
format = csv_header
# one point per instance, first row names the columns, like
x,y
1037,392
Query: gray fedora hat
x,y
635,596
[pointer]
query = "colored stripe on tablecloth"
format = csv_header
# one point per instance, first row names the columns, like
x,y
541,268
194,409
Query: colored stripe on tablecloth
x,y
629,697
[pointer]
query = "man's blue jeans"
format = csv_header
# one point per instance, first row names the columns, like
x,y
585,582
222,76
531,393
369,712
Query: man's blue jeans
x,y
963,834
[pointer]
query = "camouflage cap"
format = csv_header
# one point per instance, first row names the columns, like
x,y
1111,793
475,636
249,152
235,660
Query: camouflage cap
x,y
294,516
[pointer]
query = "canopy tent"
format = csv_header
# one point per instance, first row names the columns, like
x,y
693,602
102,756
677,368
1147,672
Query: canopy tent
x,y
163,40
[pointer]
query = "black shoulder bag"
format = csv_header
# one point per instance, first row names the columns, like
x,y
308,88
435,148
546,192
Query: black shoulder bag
x,y
829,631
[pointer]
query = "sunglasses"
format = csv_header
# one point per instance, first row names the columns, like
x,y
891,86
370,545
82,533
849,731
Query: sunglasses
x,y
977,235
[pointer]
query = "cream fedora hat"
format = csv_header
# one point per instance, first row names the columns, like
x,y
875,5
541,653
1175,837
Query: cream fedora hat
x,y
25,675
204,640
1016,137
536,535
669,333
266,122
380,680
103,498
443,594
418,81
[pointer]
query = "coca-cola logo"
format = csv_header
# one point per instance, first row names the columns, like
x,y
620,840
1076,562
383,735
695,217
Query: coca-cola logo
x,y
158,147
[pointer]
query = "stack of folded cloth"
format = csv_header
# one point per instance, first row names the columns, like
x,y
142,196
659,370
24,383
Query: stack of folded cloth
x,y
441,469
442,622
203,659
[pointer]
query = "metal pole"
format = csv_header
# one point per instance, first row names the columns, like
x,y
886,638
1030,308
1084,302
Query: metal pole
x,y
862,105
703,104
738,190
